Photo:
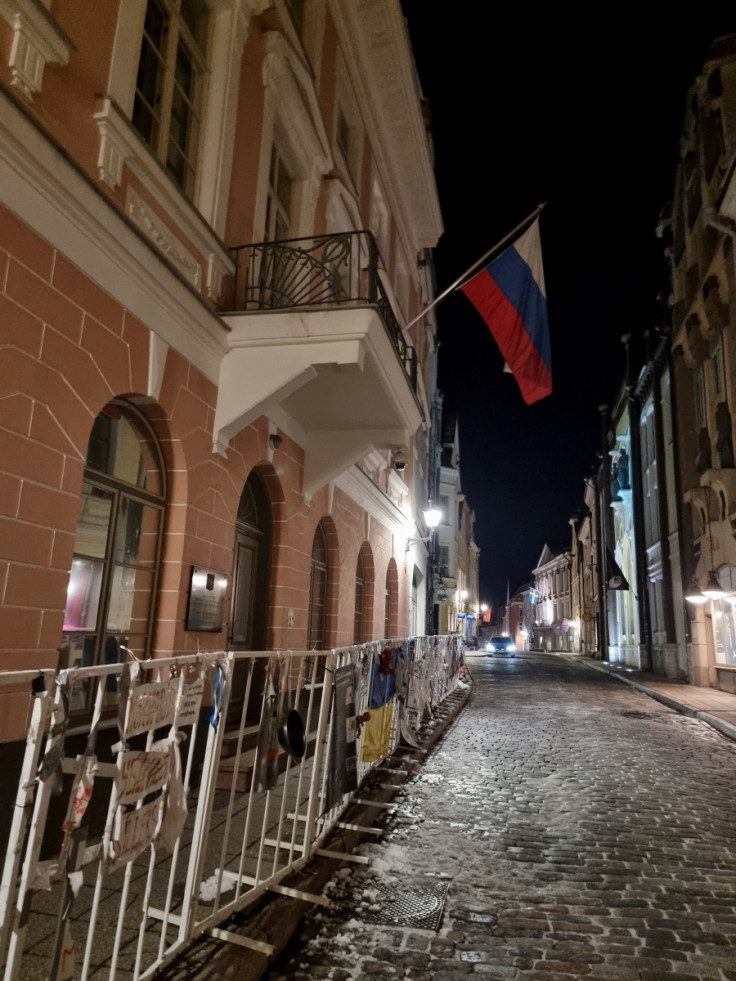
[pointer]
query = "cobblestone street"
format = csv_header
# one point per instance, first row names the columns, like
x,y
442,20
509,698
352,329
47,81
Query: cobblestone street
x,y
583,830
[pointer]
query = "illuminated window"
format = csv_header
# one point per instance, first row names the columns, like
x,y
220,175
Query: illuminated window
x,y
114,572
724,621
168,92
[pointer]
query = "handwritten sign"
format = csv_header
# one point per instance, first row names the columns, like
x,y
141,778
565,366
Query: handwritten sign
x,y
151,706
141,774
134,830
191,696
81,792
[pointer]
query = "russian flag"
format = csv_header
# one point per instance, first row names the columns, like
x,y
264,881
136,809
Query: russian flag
x,y
509,295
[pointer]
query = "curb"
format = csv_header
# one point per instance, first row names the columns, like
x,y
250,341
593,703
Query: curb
x,y
275,919
724,728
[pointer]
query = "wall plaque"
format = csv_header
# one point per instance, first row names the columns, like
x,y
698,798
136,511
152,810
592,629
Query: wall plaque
x,y
206,599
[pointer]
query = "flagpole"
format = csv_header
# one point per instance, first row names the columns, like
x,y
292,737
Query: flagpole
x,y
483,260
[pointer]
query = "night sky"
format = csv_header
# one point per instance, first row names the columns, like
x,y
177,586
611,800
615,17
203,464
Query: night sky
x,y
528,107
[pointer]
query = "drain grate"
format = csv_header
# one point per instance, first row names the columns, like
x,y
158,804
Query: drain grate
x,y
417,905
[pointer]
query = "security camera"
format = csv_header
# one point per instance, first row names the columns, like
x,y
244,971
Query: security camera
x,y
400,461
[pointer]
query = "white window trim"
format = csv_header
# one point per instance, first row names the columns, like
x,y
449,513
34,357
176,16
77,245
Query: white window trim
x,y
37,41
293,121
53,198
121,144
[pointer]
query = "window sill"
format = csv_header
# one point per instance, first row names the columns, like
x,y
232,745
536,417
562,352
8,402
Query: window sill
x,y
120,144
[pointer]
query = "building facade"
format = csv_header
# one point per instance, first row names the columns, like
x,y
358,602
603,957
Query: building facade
x,y
456,554
553,610
703,309
210,443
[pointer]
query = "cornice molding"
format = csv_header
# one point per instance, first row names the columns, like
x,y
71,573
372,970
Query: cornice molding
x,y
361,489
291,89
61,205
373,37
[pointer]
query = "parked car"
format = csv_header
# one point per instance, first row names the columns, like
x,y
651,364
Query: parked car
x,y
501,645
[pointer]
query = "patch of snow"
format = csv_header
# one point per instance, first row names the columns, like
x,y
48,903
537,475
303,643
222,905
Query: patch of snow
x,y
208,888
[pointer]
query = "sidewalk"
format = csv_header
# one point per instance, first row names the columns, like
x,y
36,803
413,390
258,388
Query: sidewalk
x,y
714,707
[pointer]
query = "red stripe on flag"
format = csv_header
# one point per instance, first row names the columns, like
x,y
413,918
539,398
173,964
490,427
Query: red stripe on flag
x,y
507,327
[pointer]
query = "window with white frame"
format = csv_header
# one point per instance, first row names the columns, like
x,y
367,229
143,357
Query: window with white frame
x,y
167,108
278,203
112,582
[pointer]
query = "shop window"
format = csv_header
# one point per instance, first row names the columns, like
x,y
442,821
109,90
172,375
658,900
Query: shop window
x,y
316,630
167,109
113,579
724,622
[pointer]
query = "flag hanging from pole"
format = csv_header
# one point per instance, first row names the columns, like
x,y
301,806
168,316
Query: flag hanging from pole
x,y
509,294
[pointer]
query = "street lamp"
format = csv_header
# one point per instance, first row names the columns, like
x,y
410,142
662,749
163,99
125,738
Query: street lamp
x,y
432,517
713,589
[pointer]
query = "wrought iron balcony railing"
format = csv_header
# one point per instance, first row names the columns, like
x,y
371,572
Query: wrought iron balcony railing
x,y
329,270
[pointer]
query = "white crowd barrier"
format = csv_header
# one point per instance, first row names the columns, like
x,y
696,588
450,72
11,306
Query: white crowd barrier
x,y
158,798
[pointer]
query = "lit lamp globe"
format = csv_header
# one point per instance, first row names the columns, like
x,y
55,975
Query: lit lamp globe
x,y
432,517
695,596
713,589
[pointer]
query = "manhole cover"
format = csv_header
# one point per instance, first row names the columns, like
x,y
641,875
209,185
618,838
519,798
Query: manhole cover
x,y
417,905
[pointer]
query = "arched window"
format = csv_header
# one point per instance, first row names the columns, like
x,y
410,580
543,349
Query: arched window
x,y
359,599
318,592
113,579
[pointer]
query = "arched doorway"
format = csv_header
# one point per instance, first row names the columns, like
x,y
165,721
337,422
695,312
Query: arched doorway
x,y
318,585
251,587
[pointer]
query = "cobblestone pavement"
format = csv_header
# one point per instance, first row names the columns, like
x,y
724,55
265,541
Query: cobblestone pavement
x,y
584,830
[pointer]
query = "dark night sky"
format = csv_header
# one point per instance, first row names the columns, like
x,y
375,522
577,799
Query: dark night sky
x,y
530,107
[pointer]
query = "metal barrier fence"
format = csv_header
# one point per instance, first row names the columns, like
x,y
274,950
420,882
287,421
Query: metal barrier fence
x,y
198,784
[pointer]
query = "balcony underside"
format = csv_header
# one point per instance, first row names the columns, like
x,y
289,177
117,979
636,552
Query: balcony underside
x,y
334,373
